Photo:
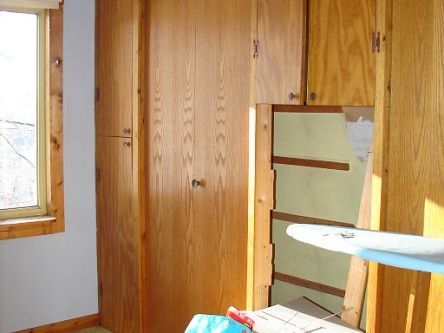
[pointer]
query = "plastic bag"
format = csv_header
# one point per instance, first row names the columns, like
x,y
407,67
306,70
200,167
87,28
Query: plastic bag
x,y
215,324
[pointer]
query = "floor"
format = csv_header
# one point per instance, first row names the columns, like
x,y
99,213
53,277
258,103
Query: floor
x,y
94,330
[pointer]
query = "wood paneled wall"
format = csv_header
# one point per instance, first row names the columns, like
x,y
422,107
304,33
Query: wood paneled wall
x,y
408,179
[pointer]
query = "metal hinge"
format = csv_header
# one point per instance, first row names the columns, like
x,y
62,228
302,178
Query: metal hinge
x,y
97,175
97,95
255,48
376,42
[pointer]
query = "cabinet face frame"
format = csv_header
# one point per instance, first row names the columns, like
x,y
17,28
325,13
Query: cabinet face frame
x,y
281,52
341,65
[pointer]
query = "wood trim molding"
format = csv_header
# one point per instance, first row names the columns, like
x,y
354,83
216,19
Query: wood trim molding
x,y
297,281
263,204
307,109
307,220
311,163
70,325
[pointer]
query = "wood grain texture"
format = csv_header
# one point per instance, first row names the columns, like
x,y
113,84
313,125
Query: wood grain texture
x,y
281,51
27,227
118,237
341,66
309,284
197,120
251,298
415,193
139,172
358,271
434,206
311,163
381,145
307,220
307,109
71,325
54,116
114,70
264,202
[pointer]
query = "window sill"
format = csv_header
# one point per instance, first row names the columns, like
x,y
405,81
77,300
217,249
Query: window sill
x,y
28,227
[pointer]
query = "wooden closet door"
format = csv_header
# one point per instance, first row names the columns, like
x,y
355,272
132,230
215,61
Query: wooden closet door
x,y
174,245
223,56
114,52
117,235
281,63
341,65
197,115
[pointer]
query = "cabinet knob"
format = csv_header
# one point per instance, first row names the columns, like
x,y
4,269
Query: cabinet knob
x,y
312,96
126,131
127,144
195,183
292,96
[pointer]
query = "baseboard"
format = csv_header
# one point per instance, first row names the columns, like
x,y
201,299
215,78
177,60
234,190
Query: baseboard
x,y
70,325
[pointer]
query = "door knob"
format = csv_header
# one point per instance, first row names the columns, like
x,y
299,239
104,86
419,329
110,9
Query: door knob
x,y
292,96
195,183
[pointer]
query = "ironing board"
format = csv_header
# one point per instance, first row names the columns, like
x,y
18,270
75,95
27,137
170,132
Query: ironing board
x,y
399,250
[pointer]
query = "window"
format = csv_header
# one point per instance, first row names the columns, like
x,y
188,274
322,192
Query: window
x,y
22,124
31,179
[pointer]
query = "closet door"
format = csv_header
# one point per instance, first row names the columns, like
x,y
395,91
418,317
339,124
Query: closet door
x,y
197,115
341,65
117,236
222,113
114,81
174,243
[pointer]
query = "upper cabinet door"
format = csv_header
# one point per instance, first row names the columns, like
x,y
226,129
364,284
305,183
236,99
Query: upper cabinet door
x,y
281,52
114,68
341,65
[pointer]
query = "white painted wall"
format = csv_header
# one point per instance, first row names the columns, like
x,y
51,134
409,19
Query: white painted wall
x,y
53,278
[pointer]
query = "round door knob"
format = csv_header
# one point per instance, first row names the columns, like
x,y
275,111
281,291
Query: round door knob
x,y
312,96
127,144
127,131
292,96
195,183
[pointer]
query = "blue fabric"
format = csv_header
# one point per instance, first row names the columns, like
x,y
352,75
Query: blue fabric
x,y
215,324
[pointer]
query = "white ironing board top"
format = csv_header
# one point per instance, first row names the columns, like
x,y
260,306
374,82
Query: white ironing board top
x,y
393,249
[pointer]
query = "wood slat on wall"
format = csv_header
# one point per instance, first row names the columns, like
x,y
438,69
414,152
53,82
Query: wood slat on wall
x,y
264,201
311,163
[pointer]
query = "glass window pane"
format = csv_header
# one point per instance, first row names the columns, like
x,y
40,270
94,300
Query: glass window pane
x,y
18,109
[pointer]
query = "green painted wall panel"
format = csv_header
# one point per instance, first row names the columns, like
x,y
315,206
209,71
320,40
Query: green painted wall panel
x,y
313,192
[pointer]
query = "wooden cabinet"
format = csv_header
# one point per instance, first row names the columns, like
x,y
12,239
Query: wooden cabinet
x,y
341,65
120,173
280,68
117,235
339,69
114,71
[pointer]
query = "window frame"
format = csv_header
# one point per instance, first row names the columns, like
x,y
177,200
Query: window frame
x,y
51,220
40,208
